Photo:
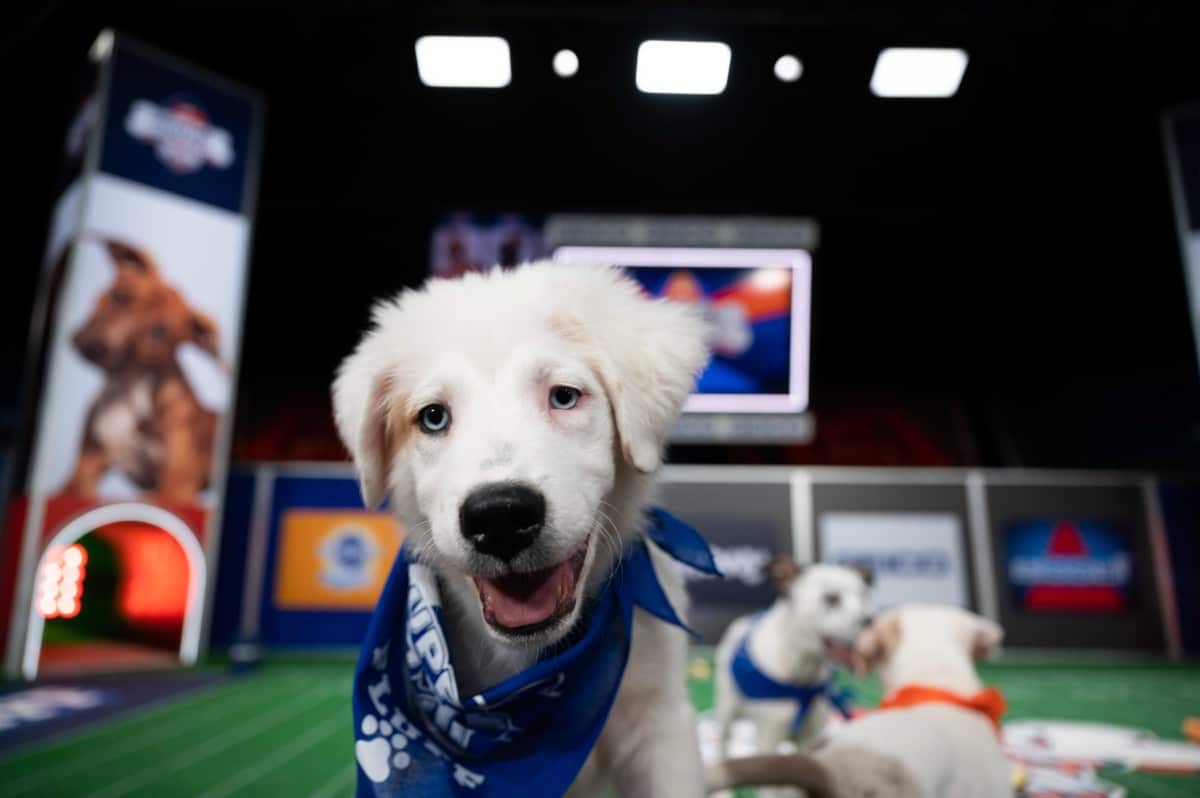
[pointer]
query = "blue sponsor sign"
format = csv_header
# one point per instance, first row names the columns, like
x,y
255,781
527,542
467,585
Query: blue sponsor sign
x,y
1063,565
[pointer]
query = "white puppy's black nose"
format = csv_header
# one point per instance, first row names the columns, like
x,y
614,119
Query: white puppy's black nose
x,y
502,519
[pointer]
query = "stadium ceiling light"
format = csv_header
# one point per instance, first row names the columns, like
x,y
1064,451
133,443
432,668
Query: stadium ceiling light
x,y
566,63
918,72
678,67
788,68
473,62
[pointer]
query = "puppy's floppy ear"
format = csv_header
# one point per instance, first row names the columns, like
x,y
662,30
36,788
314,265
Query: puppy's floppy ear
x,y
985,636
202,331
876,643
126,256
782,571
647,352
362,402
865,571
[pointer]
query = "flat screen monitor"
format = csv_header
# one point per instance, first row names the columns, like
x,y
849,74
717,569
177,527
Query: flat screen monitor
x,y
758,301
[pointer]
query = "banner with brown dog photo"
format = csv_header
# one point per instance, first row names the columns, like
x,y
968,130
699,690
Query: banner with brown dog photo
x,y
146,265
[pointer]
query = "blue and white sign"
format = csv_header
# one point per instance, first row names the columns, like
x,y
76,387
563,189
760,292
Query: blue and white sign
x,y
916,557
40,704
348,558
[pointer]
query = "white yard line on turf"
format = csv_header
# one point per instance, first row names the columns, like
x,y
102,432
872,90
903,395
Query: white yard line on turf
x,y
218,743
175,725
281,755
342,783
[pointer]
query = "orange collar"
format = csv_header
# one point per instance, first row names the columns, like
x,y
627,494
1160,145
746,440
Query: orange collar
x,y
988,701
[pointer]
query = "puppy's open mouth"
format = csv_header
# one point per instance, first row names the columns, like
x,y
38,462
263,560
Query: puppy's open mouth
x,y
839,651
520,604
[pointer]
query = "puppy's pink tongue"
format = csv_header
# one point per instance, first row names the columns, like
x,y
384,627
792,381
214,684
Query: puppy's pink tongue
x,y
840,652
529,599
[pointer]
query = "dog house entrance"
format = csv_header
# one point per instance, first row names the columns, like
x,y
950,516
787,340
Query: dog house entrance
x,y
115,593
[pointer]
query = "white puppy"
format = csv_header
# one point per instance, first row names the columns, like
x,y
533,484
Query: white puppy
x,y
819,614
516,420
936,735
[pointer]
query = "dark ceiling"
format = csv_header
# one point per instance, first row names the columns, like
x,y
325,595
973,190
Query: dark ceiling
x,y
1010,251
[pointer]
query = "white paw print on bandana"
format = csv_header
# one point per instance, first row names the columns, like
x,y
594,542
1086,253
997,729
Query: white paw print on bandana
x,y
382,750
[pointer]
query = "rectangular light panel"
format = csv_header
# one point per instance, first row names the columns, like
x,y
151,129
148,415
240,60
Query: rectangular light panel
x,y
473,62
673,67
918,72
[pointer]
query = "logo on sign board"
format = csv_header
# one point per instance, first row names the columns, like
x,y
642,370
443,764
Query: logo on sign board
x,y
916,556
1068,566
25,707
744,564
899,563
348,556
181,134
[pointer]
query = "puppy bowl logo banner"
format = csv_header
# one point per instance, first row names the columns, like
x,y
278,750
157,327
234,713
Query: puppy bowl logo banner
x,y
464,243
334,560
166,129
181,135
1069,566
138,386
916,557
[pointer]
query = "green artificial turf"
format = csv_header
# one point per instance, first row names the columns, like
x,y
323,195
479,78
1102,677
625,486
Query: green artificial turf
x,y
285,730
1153,696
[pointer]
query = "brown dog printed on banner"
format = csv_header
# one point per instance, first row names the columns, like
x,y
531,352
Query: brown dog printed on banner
x,y
147,421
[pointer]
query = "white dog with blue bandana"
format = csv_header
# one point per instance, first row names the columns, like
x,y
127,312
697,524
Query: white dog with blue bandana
x,y
516,420
776,668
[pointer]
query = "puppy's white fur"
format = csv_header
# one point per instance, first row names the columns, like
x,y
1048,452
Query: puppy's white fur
x,y
490,347
933,750
953,752
823,604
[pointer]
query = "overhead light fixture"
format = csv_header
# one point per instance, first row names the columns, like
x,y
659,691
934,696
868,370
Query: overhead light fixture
x,y
788,68
918,72
469,62
676,67
566,63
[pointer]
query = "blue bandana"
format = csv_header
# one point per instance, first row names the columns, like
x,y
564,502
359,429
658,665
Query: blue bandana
x,y
528,735
756,685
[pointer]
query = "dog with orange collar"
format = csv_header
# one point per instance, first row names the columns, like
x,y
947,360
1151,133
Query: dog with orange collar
x,y
935,735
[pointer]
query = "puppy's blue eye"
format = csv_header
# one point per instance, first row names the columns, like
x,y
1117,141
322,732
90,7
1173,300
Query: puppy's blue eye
x,y
434,418
563,397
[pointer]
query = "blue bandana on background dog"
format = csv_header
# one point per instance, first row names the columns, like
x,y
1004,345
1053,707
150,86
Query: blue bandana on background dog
x,y
756,685
528,735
